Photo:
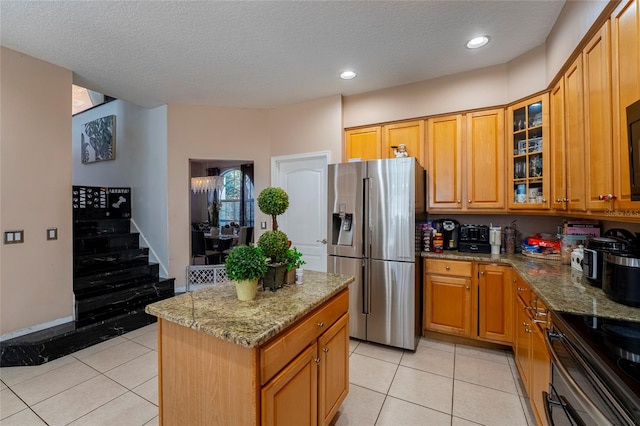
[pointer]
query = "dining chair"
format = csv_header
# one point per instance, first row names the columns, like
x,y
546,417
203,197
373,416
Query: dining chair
x,y
220,248
199,247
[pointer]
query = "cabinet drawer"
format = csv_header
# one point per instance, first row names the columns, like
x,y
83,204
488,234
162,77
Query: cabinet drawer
x,y
285,347
523,290
448,267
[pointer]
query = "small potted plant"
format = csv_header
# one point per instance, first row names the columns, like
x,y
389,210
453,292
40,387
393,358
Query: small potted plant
x,y
246,265
293,260
274,243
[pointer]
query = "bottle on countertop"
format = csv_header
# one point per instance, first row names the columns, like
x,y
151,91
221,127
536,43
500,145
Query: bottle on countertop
x,y
438,243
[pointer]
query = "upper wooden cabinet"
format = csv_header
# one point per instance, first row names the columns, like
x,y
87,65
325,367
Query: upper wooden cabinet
x,y
557,157
485,171
444,162
574,136
410,133
597,121
364,143
528,167
625,89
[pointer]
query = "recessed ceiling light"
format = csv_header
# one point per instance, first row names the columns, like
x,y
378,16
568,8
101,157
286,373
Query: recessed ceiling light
x,y
477,42
347,75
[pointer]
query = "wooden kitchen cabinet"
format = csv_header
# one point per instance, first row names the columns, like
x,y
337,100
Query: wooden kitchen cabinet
x,y
557,155
597,122
410,133
529,152
495,309
291,397
574,137
364,143
458,304
485,157
444,162
310,389
333,383
625,89
531,355
447,297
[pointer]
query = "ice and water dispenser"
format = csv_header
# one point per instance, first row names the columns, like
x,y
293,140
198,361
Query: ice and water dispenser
x,y
342,229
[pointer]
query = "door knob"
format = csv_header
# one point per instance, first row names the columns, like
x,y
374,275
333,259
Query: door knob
x,y
323,241
325,350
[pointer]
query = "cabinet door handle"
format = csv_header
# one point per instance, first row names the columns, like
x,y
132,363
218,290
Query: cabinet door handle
x,y
317,360
544,200
469,201
447,267
521,289
482,273
559,200
513,280
325,350
320,324
525,324
467,287
458,201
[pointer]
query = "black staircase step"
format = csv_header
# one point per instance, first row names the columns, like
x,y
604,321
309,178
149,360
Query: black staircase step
x,y
55,342
104,306
99,263
105,243
93,283
113,287
93,227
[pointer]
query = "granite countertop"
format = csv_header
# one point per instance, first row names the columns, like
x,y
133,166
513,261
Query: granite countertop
x,y
560,287
216,310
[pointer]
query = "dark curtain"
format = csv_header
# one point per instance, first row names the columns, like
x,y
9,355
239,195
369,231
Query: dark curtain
x,y
246,195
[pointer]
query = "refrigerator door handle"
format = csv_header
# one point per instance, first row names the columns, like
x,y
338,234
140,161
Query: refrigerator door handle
x,y
366,227
366,288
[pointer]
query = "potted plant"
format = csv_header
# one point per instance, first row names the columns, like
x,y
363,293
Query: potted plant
x,y
246,265
293,260
274,243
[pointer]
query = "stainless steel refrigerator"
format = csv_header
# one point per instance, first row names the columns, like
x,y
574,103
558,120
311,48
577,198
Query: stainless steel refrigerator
x,y
373,210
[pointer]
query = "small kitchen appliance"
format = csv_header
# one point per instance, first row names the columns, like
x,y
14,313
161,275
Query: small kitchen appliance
x,y
495,239
616,241
450,230
474,239
622,279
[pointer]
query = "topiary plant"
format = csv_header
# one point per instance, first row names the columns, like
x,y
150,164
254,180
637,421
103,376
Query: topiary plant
x,y
274,245
273,201
245,263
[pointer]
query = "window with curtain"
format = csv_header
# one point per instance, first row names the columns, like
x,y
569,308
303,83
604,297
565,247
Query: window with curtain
x,y
236,196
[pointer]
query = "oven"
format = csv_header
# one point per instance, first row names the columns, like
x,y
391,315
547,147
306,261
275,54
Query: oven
x,y
594,382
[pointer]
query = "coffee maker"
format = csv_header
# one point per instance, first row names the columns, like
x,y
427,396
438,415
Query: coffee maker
x,y
450,230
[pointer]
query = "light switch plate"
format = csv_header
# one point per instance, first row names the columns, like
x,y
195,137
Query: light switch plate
x,y
14,237
263,225
52,233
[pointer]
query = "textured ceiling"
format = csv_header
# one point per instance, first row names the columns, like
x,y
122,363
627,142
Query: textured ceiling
x,y
263,54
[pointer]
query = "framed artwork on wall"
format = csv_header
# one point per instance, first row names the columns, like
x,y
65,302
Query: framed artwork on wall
x,y
98,140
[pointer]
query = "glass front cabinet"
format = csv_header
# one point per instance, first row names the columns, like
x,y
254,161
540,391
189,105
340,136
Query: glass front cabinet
x,y
528,150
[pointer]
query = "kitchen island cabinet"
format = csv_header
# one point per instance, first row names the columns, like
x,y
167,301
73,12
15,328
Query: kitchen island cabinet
x,y
281,358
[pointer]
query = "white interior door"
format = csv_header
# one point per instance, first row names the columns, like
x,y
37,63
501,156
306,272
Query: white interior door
x,y
304,177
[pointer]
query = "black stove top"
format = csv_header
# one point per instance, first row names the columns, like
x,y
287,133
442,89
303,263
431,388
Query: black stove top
x,y
612,349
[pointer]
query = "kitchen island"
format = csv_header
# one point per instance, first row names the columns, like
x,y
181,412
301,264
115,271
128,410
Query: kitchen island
x,y
280,358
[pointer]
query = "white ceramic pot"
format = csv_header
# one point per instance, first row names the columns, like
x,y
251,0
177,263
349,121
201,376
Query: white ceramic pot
x,y
246,289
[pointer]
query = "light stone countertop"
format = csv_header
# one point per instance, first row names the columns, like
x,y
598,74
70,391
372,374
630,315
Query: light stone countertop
x,y
560,287
216,310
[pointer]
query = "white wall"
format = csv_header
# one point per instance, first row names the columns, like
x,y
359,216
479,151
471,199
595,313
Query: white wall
x,y
140,163
201,132
307,127
570,28
35,193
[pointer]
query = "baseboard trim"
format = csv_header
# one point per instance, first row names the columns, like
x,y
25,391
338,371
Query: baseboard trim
x,y
35,328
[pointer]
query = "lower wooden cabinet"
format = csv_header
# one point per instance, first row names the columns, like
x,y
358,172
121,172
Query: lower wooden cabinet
x,y
311,388
495,309
531,355
291,397
458,303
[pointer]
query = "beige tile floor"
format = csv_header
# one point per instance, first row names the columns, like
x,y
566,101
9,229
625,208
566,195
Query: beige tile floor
x,y
115,383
